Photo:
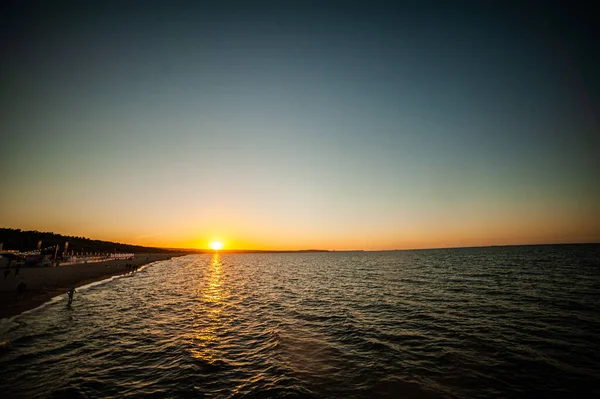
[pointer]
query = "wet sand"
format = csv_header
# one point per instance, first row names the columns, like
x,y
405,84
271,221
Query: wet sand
x,y
44,283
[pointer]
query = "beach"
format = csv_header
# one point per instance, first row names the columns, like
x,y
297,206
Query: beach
x,y
44,283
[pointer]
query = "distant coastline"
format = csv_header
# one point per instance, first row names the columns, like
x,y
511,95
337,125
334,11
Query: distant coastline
x,y
24,240
489,246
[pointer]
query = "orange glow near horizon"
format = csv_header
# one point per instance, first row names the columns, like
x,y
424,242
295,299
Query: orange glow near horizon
x,y
244,230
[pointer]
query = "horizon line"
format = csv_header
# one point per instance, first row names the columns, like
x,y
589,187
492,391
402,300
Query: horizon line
x,y
225,250
208,250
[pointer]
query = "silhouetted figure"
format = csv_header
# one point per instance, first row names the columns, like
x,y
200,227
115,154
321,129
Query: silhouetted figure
x,y
21,290
70,294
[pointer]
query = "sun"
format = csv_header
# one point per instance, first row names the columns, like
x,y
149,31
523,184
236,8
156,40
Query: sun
x,y
216,245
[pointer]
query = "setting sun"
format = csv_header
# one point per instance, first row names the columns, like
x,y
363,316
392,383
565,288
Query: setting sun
x,y
216,245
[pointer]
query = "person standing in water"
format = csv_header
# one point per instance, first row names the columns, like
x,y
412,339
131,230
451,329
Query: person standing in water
x,y
21,290
70,294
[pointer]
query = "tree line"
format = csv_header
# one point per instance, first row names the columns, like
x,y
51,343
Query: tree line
x,y
22,240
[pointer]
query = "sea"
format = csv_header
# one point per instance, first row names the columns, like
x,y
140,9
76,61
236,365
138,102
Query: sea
x,y
493,322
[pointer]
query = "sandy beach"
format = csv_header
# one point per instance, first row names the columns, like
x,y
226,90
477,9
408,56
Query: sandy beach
x,y
44,283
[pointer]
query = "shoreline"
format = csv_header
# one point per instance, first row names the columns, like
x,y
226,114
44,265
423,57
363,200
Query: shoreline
x,y
45,283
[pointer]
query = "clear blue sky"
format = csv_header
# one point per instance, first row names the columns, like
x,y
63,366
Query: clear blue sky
x,y
363,126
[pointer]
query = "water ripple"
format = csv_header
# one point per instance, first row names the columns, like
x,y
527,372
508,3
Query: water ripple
x,y
464,323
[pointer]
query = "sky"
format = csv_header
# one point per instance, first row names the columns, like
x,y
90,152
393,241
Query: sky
x,y
293,125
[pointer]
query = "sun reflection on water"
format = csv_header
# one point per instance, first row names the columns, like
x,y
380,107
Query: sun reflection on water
x,y
211,302
214,291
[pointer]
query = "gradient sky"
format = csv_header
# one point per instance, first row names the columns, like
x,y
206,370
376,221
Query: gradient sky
x,y
289,127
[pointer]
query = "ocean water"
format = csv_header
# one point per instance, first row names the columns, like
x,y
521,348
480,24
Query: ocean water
x,y
459,323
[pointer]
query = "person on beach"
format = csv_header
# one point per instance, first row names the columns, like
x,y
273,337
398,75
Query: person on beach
x,y
70,294
21,290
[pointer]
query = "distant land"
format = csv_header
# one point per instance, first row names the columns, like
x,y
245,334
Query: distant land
x,y
22,240
27,240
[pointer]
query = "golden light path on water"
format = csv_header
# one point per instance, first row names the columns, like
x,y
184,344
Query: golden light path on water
x,y
212,300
